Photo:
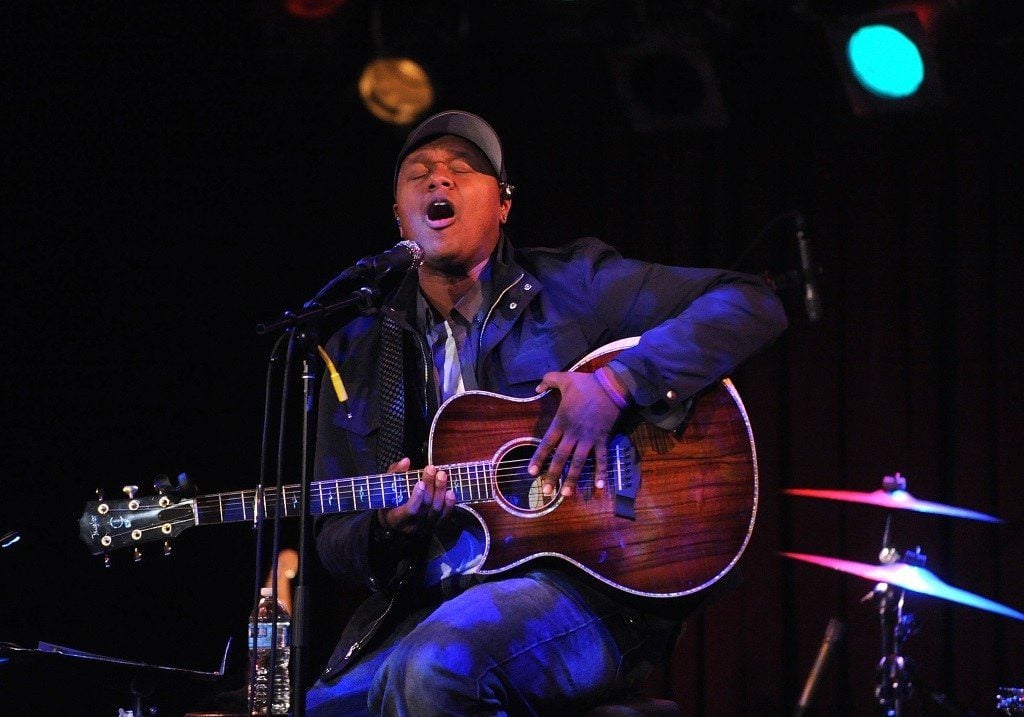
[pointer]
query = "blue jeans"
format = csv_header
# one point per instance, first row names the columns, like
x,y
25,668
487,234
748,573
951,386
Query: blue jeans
x,y
520,646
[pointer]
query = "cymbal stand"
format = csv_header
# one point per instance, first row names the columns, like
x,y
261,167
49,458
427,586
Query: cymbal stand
x,y
895,671
895,685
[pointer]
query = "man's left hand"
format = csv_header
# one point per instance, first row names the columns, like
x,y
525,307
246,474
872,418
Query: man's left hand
x,y
580,427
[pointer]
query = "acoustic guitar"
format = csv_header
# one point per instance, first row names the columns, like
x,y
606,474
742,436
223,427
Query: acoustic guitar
x,y
674,516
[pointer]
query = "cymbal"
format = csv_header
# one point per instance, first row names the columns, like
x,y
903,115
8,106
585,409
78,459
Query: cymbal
x,y
909,577
895,500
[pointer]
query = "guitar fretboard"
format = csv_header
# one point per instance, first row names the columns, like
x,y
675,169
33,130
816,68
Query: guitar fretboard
x,y
470,481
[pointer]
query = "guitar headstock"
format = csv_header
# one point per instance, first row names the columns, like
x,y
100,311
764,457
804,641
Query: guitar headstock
x,y
108,525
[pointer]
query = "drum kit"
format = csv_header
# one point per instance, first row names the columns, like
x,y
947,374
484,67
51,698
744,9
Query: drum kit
x,y
897,574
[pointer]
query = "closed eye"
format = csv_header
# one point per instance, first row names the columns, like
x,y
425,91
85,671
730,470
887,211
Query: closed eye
x,y
415,171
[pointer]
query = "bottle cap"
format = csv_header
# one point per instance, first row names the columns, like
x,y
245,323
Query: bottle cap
x,y
266,592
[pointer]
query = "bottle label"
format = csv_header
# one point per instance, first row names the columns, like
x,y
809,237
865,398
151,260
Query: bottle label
x,y
263,635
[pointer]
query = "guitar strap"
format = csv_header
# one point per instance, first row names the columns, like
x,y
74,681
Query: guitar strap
x,y
391,394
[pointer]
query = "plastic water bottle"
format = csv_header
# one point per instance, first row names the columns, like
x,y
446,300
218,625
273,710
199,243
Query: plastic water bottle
x,y
260,625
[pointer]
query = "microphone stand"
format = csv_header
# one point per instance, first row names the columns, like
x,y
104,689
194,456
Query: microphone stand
x,y
313,310
302,326
299,608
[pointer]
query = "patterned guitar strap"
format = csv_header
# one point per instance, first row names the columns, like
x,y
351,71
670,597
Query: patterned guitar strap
x,y
391,440
391,394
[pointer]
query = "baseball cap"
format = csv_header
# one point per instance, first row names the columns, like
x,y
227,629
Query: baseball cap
x,y
460,124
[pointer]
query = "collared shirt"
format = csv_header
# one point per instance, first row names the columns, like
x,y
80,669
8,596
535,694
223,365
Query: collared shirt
x,y
454,340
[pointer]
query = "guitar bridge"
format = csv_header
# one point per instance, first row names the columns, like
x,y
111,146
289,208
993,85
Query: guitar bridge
x,y
625,476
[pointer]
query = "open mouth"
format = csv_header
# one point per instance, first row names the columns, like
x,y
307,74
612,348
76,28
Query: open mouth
x,y
440,214
440,211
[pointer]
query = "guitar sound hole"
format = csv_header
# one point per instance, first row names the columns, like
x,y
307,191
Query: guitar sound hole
x,y
522,492
516,486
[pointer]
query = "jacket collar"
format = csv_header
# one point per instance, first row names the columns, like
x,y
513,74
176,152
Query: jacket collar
x,y
509,286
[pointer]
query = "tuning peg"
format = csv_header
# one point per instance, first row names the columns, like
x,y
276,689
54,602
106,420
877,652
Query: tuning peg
x,y
130,490
138,555
185,486
167,548
99,493
180,486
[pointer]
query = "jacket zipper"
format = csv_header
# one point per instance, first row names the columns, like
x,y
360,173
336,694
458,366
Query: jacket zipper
x,y
358,644
490,311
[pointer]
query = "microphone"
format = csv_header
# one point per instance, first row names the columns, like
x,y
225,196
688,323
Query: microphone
x,y
403,256
833,634
809,272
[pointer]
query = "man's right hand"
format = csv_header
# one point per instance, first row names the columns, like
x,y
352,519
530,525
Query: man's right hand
x,y
431,500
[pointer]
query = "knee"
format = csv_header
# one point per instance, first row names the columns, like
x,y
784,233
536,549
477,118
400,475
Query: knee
x,y
429,671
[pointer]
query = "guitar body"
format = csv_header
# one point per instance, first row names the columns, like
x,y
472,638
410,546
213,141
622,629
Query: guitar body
x,y
695,491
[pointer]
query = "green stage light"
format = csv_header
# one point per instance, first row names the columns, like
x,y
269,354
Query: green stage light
x,y
885,61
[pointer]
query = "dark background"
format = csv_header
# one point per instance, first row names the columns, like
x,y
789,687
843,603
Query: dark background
x,y
174,173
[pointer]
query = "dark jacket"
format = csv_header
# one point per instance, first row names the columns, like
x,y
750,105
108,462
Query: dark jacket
x,y
550,307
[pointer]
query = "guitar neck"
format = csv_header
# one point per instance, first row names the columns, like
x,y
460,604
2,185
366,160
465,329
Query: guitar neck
x,y
470,481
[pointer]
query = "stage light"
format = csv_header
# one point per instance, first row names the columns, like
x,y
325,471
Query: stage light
x,y
312,9
396,89
887,61
667,83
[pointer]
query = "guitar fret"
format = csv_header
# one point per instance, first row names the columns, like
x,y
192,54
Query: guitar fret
x,y
231,512
456,483
411,479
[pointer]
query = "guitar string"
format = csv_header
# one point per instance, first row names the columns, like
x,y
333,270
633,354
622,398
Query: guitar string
x,y
240,502
374,485
380,484
238,499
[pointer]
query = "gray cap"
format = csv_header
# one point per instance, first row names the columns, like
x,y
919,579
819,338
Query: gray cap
x,y
460,124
